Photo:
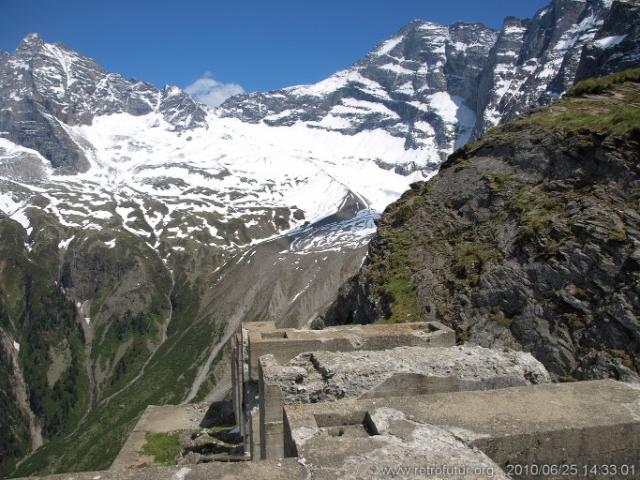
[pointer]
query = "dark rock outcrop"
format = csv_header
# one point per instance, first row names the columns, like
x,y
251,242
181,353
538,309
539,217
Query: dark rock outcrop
x,y
615,46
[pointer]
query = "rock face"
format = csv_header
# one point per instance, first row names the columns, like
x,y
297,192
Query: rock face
x,y
613,48
528,237
535,60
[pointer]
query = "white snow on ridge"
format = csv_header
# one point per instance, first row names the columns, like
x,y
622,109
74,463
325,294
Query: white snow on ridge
x,y
352,233
64,244
278,116
458,118
389,45
609,42
424,127
10,150
20,216
396,68
7,204
352,105
328,85
339,80
334,122
444,105
65,59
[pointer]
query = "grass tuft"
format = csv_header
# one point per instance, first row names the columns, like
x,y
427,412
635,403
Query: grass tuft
x,y
594,86
163,447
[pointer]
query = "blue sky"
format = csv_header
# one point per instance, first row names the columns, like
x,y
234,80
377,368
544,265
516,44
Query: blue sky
x,y
259,45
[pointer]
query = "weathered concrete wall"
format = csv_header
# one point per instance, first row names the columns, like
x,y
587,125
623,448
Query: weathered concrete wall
x,y
287,343
378,430
255,339
330,376
244,390
459,435
581,424
288,469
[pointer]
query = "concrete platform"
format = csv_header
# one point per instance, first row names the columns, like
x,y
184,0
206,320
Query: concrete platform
x,y
582,424
408,371
255,339
464,435
285,344
283,470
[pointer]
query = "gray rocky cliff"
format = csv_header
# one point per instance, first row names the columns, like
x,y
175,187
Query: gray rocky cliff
x,y
536,60
527,238
615,46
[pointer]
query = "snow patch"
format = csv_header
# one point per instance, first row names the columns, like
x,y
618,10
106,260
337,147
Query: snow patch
x,y
609,42
345,234
64,244
21,217
514,30
398,69
7,203
340,80
444,106
389,45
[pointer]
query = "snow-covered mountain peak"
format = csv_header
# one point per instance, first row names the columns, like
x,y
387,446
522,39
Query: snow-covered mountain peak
x,y
399,87
47,87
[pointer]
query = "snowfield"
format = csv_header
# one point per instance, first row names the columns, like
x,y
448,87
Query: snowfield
x,y
150,178
261,165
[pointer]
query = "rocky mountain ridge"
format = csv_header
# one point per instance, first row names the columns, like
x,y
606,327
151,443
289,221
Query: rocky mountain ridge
x,y
527,238
439,86
412,86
